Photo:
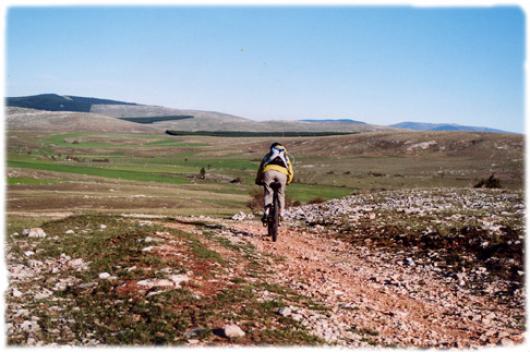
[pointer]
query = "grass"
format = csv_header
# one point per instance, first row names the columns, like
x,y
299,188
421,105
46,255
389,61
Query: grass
x,y
115,316
97,171
151,159
224,163
28,181
88,140
173,143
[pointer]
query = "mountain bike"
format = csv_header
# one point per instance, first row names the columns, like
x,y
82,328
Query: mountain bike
x,y
273,219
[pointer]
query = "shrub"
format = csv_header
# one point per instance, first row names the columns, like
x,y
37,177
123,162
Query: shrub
x,y
490,182
236,180
316,200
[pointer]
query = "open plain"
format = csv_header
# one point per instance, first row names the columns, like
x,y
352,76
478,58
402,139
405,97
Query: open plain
x,y
386,241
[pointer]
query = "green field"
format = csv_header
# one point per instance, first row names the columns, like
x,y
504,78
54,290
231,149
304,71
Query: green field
x,y
97,171
84,171
12,181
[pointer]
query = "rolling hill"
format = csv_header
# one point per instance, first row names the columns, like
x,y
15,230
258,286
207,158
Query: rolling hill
x,y
80,110
335,121
65,112
54,102
425,126
69,121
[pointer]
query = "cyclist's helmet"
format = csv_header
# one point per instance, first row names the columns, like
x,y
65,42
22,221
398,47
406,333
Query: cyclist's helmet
x,y
275,144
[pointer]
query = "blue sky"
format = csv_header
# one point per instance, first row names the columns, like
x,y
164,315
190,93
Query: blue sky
x,y
380,65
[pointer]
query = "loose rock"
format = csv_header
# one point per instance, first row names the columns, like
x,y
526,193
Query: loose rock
x,y
233,331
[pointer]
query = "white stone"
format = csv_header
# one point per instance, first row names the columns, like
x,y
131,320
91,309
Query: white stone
x,y
104,276
30,326
409,262
78,263
284,311
239,216
233,331
150,283
297,317
179,279
35,232
43,294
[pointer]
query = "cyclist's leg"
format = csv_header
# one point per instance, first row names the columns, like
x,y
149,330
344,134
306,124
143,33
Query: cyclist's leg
x,y
268,178
282,180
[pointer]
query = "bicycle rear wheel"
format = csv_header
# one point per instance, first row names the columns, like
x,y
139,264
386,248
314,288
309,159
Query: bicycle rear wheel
x,y
274,219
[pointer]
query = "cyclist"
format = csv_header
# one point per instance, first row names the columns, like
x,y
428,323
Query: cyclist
x,y
275,167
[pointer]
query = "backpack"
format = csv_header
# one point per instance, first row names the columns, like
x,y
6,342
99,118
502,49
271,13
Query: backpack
x,y
277,156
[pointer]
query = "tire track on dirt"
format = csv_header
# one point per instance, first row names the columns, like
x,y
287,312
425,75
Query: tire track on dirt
x,y
361,290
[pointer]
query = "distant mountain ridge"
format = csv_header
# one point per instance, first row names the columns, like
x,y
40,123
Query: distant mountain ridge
x,y
164,118
426,126
55,102
334,120
73,112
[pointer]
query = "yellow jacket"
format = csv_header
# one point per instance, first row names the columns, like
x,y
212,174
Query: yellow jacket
x,y
267,166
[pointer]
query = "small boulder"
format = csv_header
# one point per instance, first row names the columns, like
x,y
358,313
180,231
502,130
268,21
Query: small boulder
x,y
43,294
239,216
284,311
35,232
297,317
69,232
179,279
30,326
16,293
104,276
197,332
233,331
152,283
150,239
78,264
409,262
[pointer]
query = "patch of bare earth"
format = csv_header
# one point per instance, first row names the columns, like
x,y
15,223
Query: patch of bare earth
x,y
375,301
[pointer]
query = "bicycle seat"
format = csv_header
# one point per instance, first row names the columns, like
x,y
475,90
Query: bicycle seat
x,y
276,185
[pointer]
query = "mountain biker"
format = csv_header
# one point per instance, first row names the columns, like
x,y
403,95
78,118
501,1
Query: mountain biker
x,y
275,167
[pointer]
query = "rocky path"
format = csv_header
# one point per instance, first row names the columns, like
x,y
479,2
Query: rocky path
x,y
374,300
411,269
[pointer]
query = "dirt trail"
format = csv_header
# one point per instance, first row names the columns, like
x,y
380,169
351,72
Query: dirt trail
x,y
369,296
374,301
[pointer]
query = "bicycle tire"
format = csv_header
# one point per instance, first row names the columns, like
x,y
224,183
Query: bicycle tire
x,y
270,221
275,218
